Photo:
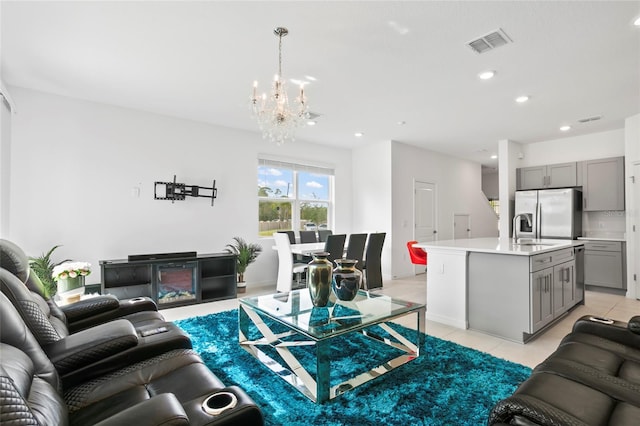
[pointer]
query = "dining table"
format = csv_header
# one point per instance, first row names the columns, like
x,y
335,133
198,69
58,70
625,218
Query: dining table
x,y
305,249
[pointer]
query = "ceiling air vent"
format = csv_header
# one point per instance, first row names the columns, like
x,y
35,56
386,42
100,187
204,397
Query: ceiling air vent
x,y
586,120
489,41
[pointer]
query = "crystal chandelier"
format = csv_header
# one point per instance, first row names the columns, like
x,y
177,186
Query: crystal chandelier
x,y
276,118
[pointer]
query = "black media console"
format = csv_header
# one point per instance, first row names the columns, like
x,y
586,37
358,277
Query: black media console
x,y
171,279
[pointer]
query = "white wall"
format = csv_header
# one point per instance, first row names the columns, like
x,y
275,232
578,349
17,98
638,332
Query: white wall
x,y
508,152
5,163
372,195
75,165
490,184
459,191
632,160
575,148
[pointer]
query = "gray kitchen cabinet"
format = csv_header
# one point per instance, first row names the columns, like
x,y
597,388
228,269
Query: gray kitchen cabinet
x,y
603,184
564,287
516,297
604,264
541,299
562,175
548,176
531,177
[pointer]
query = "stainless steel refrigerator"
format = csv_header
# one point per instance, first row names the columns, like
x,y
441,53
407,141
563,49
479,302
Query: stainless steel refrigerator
x,y
553,213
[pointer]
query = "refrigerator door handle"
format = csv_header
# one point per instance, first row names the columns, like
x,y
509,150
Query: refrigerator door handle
x,y
538,233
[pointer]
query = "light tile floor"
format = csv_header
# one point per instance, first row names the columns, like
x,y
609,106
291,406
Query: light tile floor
x,y
414,289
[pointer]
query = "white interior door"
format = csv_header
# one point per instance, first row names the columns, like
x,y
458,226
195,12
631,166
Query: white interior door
x,y
461,226
425,218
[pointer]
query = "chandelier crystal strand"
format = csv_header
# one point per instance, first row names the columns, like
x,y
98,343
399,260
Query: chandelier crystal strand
x,y
276,118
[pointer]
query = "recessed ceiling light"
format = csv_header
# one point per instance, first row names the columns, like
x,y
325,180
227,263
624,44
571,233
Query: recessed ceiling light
x,y
565,128
358,134
486,75
522,99
494,156
401,123
310,78
637,22
311,123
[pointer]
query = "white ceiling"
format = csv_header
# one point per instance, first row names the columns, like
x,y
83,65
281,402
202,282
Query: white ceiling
x,y
376,63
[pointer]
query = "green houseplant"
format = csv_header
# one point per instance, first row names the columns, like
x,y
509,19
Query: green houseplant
x,y
246,254
43,266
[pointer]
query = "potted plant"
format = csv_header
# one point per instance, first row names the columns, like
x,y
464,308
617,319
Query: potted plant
x,y
246,254
43,266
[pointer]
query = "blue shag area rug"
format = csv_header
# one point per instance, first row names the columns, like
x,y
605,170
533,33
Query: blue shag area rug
x,y
448,383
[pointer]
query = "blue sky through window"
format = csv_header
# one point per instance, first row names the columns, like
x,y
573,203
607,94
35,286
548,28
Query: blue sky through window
x,y
313,186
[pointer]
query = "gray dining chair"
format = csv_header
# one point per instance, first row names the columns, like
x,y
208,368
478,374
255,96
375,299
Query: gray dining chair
x,y
373,261
355,249
335,246
323,234
308,237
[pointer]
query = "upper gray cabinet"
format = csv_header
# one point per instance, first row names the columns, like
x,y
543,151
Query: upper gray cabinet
x,y
603,184
550,176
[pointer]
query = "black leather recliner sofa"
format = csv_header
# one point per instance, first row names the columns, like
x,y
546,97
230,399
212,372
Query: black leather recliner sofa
x,y
174,388
93,362
92,351
592,378
140,311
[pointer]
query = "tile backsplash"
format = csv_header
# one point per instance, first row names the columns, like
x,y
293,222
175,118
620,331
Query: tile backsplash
x,y
609,221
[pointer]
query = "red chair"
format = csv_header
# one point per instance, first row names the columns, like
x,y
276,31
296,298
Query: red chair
x,y
417,255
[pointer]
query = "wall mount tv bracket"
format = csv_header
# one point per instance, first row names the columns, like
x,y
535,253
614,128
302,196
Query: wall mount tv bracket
x,y
179,191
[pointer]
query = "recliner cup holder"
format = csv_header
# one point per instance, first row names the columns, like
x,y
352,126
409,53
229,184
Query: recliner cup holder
x,y
219,402
137,299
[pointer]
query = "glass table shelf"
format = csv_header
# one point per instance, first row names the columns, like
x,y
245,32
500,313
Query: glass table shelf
x,y
305,324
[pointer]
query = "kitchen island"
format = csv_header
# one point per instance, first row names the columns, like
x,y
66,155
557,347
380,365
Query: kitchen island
x,y
510,290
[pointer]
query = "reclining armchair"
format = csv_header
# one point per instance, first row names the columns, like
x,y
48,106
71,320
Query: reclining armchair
x,y
112,334
174,388
592,378
93,351
85,313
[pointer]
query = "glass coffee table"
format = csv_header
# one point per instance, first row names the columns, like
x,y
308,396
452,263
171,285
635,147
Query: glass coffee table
x,y
283,321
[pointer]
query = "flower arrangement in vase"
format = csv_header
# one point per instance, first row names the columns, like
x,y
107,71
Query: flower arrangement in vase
x,y
70,277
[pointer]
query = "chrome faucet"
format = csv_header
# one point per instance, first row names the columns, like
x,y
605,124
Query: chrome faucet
x,y
515,221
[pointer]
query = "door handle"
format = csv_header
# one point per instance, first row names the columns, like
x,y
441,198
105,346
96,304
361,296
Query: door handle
x,y
584,201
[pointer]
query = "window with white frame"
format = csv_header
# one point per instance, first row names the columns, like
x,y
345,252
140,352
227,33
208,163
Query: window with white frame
x,y
293,196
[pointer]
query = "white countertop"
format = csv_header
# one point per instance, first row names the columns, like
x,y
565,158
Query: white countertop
x,y
499,246
604,236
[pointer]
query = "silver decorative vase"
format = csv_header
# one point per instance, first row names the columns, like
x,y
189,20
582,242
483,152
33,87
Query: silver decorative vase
x,y
346,279
319,274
